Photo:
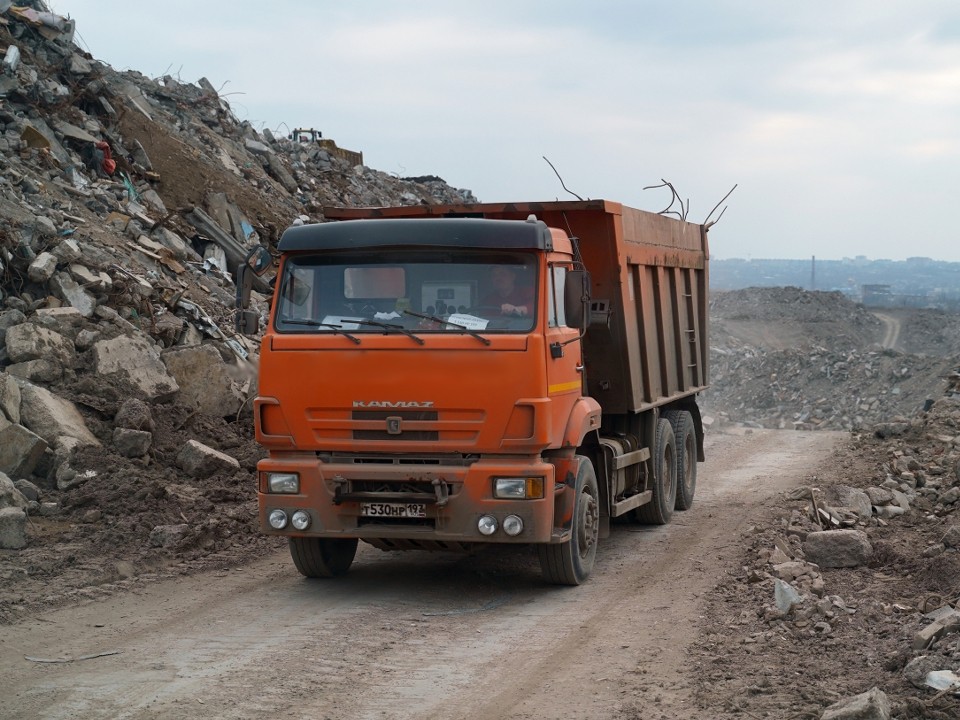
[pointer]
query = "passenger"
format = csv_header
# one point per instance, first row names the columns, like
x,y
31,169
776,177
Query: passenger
x,y
511,297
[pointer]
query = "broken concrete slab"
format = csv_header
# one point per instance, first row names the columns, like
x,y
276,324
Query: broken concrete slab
x,y
204,380
41,370
30,342
70,291
13,528
132,443
42,268
843,497
136,361
200,461
838,548
20,451
9,398
51,417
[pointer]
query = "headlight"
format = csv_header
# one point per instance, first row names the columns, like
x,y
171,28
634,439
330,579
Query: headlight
x,y
487,525
512,525
516,488
287,483
277,519
300,520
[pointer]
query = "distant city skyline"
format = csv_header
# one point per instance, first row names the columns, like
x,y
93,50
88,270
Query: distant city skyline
x,y
840,122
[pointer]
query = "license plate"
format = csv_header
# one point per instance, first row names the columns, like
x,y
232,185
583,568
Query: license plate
x,y
393,510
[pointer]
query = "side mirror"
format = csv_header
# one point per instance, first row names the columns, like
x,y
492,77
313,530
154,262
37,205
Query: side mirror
x,y
576,298
257,262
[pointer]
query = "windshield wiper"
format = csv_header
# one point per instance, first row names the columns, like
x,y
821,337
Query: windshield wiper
x,y
473,333
390,326
314,323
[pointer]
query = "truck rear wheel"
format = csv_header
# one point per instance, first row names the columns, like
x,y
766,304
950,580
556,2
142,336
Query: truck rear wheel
x,y
686,439
322,557
660,508
570,563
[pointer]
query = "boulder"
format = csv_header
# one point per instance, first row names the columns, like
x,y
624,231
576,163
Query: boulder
x,y
52,417
136,361
837,548
134,414
200,461
204,381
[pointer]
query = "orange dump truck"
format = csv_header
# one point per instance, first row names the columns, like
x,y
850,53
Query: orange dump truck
x,y
440,377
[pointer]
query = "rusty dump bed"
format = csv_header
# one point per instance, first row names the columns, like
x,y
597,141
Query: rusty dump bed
x,y
648,342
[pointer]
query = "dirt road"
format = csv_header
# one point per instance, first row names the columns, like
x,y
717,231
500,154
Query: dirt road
x,y
891,332
414,635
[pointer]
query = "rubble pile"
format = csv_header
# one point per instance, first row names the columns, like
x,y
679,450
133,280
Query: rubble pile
x,y
866,567
126,205
786,358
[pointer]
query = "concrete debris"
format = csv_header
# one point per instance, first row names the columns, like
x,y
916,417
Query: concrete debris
x,y
200,461
871,705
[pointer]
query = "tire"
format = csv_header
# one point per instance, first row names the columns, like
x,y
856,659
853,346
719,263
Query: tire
x,y
660,508
685,435
570,563
322,557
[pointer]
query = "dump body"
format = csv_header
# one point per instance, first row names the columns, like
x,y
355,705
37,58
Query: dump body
x,y
401,406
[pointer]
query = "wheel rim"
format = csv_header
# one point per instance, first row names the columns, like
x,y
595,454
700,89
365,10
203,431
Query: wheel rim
x,y
588,525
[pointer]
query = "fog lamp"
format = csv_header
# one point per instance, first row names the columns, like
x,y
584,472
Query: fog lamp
x,y
300,520
512,525
487,525
277,519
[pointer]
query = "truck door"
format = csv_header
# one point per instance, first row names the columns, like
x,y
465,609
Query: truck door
x,y
564,354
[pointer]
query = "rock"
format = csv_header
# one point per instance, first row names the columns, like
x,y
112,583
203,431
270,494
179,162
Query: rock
x,y
30,342
916,670
785,596
20,450
132,443
136,361
950,496
52,417
871,705
201,461
68,290
946,623
167,536
43,370
30,491
134,414
951,538
13,528
791,571
67,252
879,496
10,496
204,381
852,499
837,548
9,398
42,268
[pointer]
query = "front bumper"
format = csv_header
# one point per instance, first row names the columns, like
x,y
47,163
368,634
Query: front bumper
x,y
455,496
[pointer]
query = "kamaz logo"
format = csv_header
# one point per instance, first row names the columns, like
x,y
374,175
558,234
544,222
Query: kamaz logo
x,y
392,404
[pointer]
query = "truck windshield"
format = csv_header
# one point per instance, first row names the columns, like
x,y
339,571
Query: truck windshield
x,y
411,291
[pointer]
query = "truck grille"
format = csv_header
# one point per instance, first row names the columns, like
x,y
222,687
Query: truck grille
x,y
404,415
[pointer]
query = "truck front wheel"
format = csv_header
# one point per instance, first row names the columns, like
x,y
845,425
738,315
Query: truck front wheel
x,y
664,486
570,563
322,557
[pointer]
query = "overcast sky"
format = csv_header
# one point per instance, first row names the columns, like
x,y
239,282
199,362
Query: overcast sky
x,y
839,121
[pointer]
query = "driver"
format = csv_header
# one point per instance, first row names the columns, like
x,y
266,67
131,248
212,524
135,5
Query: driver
x,y
511,296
